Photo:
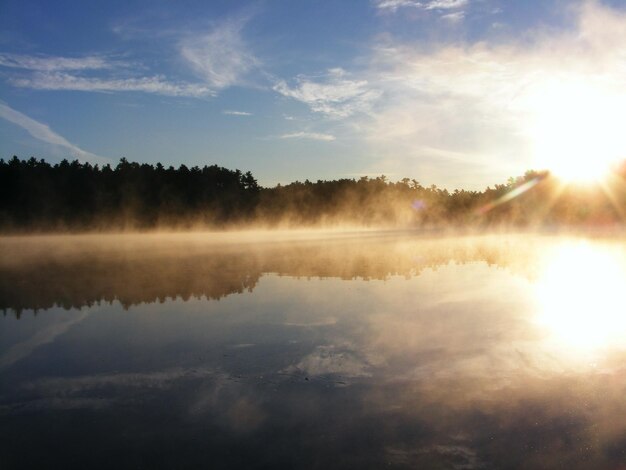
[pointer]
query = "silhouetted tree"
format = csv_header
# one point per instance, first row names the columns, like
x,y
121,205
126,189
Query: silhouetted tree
x,y
35,195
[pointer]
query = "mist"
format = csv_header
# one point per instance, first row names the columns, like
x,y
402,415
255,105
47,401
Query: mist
x,y
74,197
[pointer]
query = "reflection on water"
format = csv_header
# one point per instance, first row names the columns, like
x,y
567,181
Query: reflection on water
x,y
581,294
373,351
42,273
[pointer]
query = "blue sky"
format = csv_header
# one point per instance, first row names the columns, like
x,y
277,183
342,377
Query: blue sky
x,y
450,92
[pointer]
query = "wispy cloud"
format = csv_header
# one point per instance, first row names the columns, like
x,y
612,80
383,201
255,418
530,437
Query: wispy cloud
x,y
334,94
157,84
445,4
394,5
236,113
309,135
70,73
455,17
53,64
221,57
43,133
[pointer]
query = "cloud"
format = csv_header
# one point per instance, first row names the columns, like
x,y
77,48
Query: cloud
x,y
53,64
43,133
66,73
445,4
236,113
309,135
451,11
484,108
220,57
394,5
157,84
334,95
455,17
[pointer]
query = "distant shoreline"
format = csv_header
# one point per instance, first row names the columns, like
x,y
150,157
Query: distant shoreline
x,y
71,197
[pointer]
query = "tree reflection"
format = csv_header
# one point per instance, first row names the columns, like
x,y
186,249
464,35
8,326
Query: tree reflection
x,y
79,271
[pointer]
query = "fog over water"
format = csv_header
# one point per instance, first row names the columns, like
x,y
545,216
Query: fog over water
x,y
311,349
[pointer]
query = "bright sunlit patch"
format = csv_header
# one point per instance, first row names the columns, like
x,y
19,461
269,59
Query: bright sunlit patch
x,y
581,296
575,128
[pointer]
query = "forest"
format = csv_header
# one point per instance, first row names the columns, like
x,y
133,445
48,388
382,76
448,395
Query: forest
x,y
36,196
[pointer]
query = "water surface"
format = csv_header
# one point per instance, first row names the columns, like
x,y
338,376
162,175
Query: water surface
x,y
352,351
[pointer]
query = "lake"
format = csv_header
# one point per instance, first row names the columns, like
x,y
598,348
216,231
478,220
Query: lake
x,y
312,350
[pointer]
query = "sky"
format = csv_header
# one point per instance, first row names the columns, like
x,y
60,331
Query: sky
x,y
457,93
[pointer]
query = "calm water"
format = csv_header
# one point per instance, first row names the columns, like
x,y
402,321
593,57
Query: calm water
x,y
368,351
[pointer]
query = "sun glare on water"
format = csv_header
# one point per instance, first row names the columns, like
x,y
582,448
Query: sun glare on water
x,y
580,296
576,129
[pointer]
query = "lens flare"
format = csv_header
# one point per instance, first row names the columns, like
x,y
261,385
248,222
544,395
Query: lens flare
x,y
509,196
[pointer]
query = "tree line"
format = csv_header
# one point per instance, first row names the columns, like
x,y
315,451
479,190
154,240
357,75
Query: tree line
x,y
38,196
71,195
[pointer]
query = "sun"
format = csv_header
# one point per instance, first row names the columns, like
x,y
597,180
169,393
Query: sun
x,y
575,128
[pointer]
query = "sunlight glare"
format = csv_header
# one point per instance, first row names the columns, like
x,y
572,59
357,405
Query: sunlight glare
x,y
575,128
581,296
